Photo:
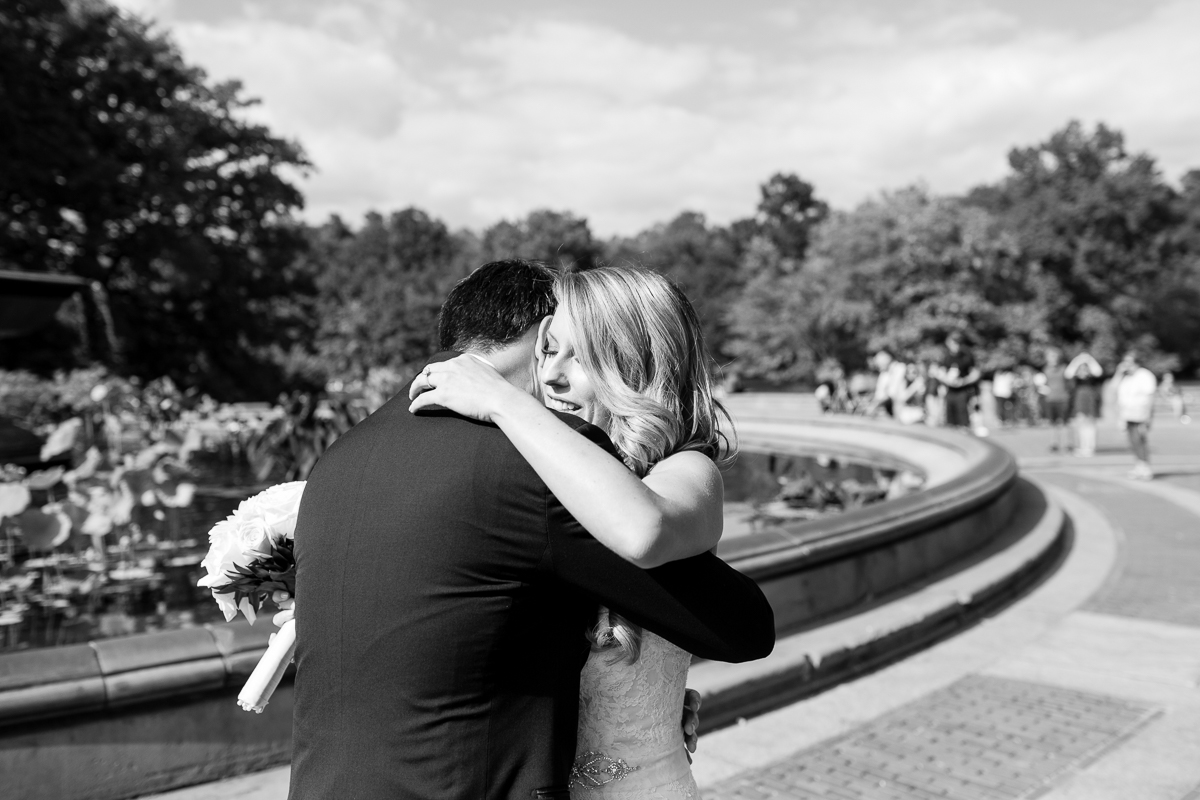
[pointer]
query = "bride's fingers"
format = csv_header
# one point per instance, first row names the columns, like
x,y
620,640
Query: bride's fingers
x,y
419,386
424,399
422,383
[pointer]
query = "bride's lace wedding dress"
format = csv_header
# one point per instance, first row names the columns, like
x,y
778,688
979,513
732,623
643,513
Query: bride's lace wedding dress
x,y
630,742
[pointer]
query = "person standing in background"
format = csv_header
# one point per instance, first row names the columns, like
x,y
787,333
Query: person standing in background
x,y
1003,387
961,378
862,392
832,392
935,405
1028,399
1136,388
890,385
912,405
1170,391
1085,374
1058,399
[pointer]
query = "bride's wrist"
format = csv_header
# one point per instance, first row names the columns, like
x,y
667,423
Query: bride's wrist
x,y
511,404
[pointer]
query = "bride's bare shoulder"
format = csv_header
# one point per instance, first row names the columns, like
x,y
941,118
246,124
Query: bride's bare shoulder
x,y
691,466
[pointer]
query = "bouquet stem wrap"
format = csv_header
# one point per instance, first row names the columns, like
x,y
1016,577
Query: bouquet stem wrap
x,y
266,675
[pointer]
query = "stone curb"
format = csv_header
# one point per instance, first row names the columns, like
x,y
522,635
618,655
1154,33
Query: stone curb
x,y
43,683
809,662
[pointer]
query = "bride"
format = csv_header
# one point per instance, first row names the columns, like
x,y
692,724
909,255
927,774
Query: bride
x,y
624,351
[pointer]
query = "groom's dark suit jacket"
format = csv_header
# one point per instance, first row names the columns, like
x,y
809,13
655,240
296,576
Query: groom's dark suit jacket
x,y
443,599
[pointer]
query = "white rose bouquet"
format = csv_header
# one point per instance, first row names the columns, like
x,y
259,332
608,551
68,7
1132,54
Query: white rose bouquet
x,y
250,557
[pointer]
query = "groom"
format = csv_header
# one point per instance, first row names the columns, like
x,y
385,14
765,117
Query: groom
x,y
446,592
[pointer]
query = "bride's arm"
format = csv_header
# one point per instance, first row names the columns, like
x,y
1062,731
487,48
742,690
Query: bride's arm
x,y
673,513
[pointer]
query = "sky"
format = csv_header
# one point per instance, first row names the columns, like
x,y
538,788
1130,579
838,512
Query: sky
x,y
627,113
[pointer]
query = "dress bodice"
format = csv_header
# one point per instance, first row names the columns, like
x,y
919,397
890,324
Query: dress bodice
x,y
630,741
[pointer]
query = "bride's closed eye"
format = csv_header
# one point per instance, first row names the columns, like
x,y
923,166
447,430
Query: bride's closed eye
x,y
549,347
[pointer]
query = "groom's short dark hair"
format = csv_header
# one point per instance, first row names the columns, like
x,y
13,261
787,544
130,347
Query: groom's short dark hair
x,y
495,305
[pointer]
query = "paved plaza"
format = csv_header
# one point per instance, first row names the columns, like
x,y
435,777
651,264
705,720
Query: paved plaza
x,y
1084,689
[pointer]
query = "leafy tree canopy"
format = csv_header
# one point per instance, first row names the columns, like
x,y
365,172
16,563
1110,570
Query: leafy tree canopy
x,y
702,260
1097,221
122,164
788,211
379,292
558,238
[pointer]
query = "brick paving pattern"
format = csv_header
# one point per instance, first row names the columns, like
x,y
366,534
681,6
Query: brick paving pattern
x,y
1159,576
982,738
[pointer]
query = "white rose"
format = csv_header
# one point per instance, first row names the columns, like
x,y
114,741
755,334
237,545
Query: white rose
x,y
277,508
225,549
252,532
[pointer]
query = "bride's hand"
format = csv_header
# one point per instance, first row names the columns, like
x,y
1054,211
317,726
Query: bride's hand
x,y
466,385
691,721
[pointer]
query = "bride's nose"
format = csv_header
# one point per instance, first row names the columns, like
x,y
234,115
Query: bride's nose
x,y
552,372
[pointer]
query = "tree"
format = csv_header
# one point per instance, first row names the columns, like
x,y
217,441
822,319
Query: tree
x,y
1097,222
379,293
121,164
787,320
899,272
1175,299
788,211
557,238
701,260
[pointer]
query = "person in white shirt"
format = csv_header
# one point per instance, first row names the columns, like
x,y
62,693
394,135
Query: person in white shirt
x,y
1136,387
890,385
1004,384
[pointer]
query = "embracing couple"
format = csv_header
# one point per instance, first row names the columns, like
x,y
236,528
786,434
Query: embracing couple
x,y
507,569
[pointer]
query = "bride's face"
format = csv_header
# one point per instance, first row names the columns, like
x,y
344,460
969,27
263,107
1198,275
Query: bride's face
x,y
565,387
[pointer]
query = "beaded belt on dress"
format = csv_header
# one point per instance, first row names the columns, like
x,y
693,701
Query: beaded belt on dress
x,y
593,769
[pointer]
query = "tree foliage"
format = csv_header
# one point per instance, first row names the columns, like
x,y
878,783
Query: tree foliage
x,y
788,212
122,164
379,291
1175,296
1082,245
702,260
1097,221
557,238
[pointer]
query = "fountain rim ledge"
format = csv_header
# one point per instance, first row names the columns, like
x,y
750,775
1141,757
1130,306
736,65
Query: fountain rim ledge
x,y
112,673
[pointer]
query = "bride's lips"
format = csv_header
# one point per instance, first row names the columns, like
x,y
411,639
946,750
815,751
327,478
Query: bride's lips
x,y
558,404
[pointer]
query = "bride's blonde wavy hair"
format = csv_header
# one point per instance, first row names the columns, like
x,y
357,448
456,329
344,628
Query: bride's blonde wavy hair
x,y
639,341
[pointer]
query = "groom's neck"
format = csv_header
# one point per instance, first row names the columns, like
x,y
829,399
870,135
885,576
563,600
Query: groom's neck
x,y
515,361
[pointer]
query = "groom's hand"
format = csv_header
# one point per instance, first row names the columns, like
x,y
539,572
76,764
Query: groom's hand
x,y
691,720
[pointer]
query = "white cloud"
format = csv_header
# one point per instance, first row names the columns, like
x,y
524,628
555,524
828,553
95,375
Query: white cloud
x,y
151,9
311,80
628,132
580,58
